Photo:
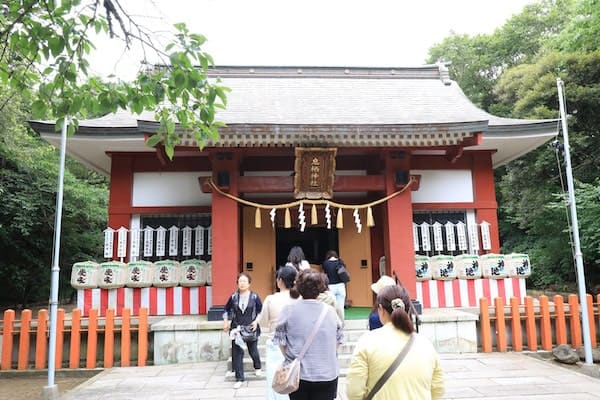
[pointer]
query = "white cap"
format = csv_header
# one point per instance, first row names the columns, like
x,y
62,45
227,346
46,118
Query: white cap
x,y
382,282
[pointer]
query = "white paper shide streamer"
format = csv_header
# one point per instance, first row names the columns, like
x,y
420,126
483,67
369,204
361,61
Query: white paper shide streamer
x,y
357,220
301,217
328,216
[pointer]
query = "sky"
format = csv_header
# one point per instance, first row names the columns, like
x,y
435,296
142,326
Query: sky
x,y
377,33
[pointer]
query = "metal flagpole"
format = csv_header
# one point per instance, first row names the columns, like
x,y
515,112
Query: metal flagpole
x,y
51,391
587,346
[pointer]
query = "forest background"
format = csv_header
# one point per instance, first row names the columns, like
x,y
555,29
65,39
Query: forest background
x,y
511,72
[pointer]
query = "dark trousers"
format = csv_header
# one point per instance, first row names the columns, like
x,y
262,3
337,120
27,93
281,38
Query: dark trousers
x,y
237,358
315,390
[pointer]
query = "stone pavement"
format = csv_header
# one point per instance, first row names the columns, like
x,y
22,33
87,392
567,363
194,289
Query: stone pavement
x,y
494,376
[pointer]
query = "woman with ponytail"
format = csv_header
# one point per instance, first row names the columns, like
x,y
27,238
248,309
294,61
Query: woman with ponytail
x,y
419,375
274,303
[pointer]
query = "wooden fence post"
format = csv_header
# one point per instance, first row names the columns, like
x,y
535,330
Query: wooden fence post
x,y
500,324
92,339
484,323
41,343
517,340
75,349
126,338
530,324
545,326
575,321
590,319
7,339
23,359
560,322
109,338
60,330
142,336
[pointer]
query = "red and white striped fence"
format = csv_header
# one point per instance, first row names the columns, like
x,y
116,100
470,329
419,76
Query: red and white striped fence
x,y
177,300
467,292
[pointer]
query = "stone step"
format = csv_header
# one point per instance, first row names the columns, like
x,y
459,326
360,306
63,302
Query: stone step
x,y
343,362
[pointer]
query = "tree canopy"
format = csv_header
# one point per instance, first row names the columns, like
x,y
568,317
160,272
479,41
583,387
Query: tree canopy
x,y
513,72
44,56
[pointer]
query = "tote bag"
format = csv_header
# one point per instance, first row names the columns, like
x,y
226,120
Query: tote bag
x,y
287,378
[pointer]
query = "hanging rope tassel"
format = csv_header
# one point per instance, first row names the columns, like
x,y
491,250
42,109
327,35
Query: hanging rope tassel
x,y
370,219
340,219
313,215
257,219
288,219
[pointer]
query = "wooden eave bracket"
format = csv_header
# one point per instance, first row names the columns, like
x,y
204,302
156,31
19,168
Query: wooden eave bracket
x,y
415,184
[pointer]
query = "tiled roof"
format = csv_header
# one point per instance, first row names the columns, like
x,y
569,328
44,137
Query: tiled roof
x,y
291,106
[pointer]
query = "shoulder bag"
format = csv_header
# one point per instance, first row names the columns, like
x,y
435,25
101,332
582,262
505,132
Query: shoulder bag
x,y
287,377
342,272
386,375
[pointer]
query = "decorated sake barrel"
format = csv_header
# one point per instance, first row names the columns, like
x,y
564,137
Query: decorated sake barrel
x,y
467,266
84,275
492,266
167,273
140,274
112,274
518,265
422,269
442,267
193,273
208,273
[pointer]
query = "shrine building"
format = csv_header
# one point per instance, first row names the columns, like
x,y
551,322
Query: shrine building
x,y
393,168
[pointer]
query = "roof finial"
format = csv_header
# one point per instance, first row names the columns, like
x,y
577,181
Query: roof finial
x,y
444,74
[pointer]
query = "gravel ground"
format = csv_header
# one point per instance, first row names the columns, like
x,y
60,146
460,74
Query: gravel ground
x,y
28,385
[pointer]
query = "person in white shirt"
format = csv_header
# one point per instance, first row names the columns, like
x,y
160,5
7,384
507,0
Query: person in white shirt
x,y
272,307
297,259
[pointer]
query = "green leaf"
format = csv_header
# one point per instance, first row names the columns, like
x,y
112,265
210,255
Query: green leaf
x,y
154,140
38,109
57,45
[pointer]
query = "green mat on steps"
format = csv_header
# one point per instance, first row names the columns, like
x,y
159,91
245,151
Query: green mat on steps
x,y
357,312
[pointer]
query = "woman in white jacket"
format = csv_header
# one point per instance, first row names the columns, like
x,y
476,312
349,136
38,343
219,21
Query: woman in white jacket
x,y
271,310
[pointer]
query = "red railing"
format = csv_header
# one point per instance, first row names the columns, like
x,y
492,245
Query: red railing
x,y
542,325
116,335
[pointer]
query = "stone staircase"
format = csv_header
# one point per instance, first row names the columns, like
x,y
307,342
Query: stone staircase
x,y
353,330
179,339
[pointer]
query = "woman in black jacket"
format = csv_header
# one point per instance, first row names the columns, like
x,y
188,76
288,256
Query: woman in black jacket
x,y
242,308
336,286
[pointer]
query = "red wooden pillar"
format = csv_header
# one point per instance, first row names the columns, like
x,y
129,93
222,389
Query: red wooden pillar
x,y
120,194
485,196
225,231
398,233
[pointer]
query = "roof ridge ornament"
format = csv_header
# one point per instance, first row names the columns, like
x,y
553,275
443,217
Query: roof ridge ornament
x,y
444,73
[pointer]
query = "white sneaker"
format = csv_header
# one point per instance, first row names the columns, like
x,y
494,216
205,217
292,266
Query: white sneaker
x,y
237,385
229,374
258,373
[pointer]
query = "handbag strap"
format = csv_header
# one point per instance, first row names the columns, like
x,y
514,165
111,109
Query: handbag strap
x,y
391,368
313,333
